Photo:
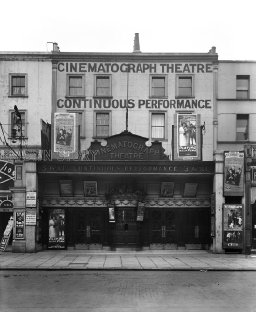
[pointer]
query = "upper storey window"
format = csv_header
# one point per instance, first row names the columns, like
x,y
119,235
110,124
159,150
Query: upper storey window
x,y
103,86
18,85
158,86
75,85
185,86
242,87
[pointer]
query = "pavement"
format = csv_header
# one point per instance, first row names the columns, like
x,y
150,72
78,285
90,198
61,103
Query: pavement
x,y
163,260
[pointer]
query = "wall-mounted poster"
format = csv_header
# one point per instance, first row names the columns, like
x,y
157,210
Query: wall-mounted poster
x,y
90,188
187,143
66,188
233,226
167,189
233,173
19,225
111,212
64,133
57,229
140,212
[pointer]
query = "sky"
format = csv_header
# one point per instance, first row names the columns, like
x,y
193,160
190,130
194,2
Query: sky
x,y
166,26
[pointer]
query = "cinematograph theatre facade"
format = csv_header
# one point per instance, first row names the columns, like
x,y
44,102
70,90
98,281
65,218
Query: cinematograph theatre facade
x,y
130,153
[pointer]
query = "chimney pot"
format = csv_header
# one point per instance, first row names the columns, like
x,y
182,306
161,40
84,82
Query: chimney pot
x,y
136,46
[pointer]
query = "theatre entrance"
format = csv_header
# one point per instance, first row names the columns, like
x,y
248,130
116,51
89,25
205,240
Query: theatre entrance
x,y
182,227
86,226
126,229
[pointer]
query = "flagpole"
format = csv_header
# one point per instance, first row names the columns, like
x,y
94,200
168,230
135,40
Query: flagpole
x,y
127,97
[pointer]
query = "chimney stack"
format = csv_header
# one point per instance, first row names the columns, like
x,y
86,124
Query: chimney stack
x,y
136,45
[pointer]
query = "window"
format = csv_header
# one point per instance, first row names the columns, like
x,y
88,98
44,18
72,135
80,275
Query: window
x,y
102,124
158,86
75,85
18,125
18,85
185,86
242,123
103,86
158,126
242,87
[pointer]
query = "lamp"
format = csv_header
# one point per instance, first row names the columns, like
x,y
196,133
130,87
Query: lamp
x,y
18,128
203,128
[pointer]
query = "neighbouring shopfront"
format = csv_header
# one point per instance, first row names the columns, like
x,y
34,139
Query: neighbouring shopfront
x,y
151,203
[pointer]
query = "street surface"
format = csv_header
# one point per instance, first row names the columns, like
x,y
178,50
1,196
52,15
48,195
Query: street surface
x,y
126,291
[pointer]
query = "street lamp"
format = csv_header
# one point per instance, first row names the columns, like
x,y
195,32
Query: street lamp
x,y
14,130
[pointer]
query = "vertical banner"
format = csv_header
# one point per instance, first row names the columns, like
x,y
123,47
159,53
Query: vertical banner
x,y
233,226
64,133
20,225
233,173
57,238
187,140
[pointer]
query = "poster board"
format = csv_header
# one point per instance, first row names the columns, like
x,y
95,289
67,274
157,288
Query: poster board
x,y
233,174
90,188
233,226
111,213
56,227
64,133
140,212
7,234
19,225
167,189
187,137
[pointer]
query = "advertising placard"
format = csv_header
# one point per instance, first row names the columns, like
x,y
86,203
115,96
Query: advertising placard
x,y
233,226
31,199
233,173
19,225
64,133
7,235
253,175
57,239
187,137
111,212
31,218
140,212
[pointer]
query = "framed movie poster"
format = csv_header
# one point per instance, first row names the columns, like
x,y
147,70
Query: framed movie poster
x,y
19,225
187,137
56,222
233,226
90,188
167,189
233,173
64,133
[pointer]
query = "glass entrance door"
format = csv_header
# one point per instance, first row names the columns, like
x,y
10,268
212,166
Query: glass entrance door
x,y
88,226
126,233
